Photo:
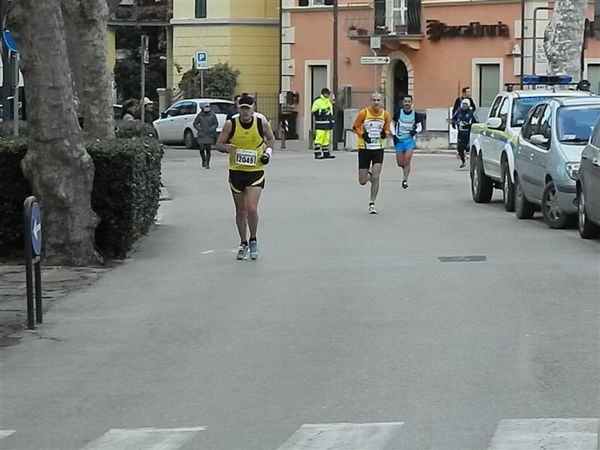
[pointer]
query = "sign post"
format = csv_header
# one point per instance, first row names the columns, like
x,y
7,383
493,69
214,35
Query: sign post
x,y
32,221
145,58
201,65
12,46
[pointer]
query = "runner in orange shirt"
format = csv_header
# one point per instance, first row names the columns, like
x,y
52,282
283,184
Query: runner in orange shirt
x,y
372,125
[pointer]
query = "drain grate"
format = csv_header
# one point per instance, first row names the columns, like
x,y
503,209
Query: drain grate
x,y
471,258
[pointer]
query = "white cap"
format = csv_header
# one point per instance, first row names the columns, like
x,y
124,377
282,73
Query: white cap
x,y
465,102
147,101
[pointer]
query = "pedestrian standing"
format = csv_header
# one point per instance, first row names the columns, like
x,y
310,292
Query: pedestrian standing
x,y
249,142
462,121
206,124
372,125
129,108
407,123
465,94
322,109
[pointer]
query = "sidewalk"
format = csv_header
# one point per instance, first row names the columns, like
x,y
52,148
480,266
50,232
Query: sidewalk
x,y
57,283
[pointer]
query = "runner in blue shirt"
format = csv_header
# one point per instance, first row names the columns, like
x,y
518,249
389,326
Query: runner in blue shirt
x,y
407,123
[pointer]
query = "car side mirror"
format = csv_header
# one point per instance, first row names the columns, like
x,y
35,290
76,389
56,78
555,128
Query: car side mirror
x,y
494,122
539,139
163,115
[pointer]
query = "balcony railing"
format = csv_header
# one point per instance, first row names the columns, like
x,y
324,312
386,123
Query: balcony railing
x,y
144,11
402,21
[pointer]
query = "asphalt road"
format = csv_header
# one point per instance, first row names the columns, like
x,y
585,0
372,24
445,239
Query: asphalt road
x,y
354,323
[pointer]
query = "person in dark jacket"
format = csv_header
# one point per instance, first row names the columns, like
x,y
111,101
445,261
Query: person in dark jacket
x,y
465,95
462,120
233,109
206,124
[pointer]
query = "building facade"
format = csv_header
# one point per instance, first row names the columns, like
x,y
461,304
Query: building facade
x,y
243,33
426,48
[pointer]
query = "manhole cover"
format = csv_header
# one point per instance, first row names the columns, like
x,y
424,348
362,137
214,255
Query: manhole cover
x,y
472,258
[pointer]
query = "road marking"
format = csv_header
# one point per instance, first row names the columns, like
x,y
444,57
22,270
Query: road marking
x,y
349,436
547,434
146,438
6,433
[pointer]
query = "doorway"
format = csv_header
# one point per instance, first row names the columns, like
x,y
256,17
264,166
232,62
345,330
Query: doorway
x,y
400,84
489,84
318,77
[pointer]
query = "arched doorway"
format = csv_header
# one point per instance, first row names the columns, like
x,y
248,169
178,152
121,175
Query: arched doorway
x,y
400,82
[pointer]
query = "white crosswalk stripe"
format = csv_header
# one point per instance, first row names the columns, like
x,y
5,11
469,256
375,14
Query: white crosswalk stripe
x,y
546,434
347,436
6,433
143,438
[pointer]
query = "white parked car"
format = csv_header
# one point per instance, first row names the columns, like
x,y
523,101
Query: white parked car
x,y
175,125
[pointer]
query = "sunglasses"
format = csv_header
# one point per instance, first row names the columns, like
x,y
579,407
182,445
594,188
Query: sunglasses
x,y
376,99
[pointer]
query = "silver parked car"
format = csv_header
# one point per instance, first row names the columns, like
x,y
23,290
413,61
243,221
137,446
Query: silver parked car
x,y
588,187
175,125
548,155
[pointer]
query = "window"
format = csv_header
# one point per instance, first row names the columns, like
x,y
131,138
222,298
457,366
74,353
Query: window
x,y
521,108
530,128
546,124
575,124
200,9
504,112
495,106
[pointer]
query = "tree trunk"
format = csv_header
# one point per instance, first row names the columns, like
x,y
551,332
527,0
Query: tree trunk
x,y
563,38
57,165
87,41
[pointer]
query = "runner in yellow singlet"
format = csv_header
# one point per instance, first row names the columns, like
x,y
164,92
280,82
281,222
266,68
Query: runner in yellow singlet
x,y
249,141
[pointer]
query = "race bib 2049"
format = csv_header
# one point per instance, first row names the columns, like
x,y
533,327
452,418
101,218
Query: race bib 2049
x,y
246,157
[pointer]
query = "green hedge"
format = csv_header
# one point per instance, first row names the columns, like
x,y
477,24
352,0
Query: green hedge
x,y
126,191
125,194
14,189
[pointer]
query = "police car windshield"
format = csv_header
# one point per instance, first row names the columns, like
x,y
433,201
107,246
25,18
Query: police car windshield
x,y
575,123
521,107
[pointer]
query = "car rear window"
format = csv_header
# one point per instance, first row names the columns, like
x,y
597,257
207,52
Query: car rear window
x,y
220,107
575,123
521,107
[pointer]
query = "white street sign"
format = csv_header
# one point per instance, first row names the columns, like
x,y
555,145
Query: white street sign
x,y
201,60
374,59
375,42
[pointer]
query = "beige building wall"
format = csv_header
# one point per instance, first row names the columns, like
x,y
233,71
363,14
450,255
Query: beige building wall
x,y
243,33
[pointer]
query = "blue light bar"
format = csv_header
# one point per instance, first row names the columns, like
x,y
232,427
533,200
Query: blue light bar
x,y
547,79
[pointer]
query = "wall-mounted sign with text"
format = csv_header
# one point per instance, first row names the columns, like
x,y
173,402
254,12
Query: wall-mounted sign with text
x,y
437,30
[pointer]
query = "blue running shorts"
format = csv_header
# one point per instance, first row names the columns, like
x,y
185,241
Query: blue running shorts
x,y
404,145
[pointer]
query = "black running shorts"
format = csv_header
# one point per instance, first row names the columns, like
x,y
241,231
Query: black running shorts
x,y
366,157
239,180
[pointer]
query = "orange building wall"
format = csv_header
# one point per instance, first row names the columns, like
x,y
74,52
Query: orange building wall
x,y
439,67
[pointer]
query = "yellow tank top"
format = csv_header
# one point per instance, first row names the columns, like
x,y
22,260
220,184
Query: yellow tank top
x,y
249,147
373,125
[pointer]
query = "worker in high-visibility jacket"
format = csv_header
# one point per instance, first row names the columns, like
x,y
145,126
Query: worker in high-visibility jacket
x,y
322,109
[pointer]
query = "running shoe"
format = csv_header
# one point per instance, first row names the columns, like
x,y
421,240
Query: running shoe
x,y
253,250
404,184
372,209
243,252
462,165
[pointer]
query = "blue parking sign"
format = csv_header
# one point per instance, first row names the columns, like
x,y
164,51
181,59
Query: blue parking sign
x,y
201,60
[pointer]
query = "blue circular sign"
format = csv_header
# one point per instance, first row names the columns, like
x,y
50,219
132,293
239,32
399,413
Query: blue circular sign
x,y
36,229
10,42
